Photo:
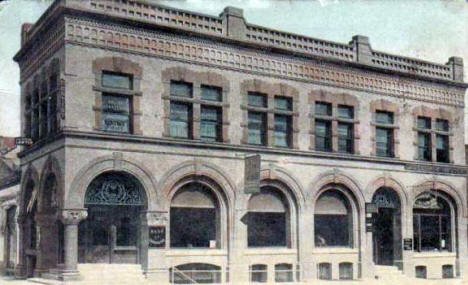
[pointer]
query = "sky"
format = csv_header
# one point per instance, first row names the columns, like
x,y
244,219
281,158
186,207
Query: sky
x,y
432,30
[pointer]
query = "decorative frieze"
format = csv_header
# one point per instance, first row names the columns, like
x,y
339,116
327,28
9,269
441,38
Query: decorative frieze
x,y
437,169
186,49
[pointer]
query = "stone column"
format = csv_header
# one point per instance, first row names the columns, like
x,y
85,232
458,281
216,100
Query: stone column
x,y
20,268
47,243
71,218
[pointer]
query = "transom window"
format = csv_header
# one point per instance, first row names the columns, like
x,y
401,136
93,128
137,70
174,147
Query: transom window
x,y
115,80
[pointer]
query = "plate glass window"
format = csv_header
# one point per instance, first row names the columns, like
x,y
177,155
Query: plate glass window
x,y
345,137
384,142
424,146
181,89
383,117
345,112
283,104
442,125
323,135
115,115
257,128
282,130
442,148
424,123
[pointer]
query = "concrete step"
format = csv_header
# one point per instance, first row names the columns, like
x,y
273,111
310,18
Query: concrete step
x,y
105,273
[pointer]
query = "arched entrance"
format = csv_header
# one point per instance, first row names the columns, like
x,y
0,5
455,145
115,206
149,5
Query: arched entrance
x,y
387,227
112,231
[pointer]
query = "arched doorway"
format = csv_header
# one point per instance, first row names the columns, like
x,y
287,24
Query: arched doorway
x,y
112,231
387,227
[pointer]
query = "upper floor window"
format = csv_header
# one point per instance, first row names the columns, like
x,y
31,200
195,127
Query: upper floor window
x,y
324,127
258,109
424,138
183,106
384,136
116,108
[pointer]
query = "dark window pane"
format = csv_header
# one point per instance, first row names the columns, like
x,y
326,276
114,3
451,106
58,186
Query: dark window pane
x,y
258,273
210,125
323,109
282,130
430,239
181,89
447,271
345,112
442,147
331,230
116,80
421,272
424,146
211,93
183,231
115,115
384,142
257,100
416,236
283,103
126,233
345,137
283,272
323,135
424,123
180,119
325,271
383,117
266,229
346,271
257,128
442,125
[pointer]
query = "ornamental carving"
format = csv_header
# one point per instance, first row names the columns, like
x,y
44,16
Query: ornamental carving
x,y
73,216
427,201
383,201
157,218
114,189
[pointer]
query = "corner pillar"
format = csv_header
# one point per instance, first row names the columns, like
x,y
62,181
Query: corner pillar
x,y
71,218
47,243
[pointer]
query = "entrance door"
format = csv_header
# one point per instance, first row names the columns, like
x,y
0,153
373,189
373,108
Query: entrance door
x,y
110,235
383,237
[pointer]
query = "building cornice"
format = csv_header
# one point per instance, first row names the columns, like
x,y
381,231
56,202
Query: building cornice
x,y
357,53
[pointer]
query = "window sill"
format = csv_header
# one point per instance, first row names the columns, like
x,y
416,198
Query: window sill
x,y
434,254
336,250
270,251
196,252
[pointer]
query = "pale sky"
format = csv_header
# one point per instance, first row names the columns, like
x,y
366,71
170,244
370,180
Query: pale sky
x,y
431,30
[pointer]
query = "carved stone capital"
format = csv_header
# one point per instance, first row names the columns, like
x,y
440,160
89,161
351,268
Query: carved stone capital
x,y
73,216
157,218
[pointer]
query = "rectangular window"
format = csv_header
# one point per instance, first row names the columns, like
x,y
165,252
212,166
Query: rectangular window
x,y
424,146
211,93
180,120
424,123
431,232
323,135
345,137
210,125
384,142
185,235
442,148
266,229
383,117
115,116
283,273
442,125
345,112
181,89
114,80
323,109
282,135
256,128
257,100
283,104
332,230
258,273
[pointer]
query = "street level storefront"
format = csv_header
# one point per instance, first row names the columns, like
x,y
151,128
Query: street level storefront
x,y
147,121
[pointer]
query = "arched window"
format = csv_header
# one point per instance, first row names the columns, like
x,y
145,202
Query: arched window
x,y
333,220
432,222
195,218
268,219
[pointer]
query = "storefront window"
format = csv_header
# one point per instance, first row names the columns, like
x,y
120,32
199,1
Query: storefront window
x,y
431,223
333,220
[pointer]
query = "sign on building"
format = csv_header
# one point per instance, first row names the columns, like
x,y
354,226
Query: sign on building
x,y
252,174
157,236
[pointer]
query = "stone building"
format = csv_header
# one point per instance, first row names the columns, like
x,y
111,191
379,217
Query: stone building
x,y
146,118
9,190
